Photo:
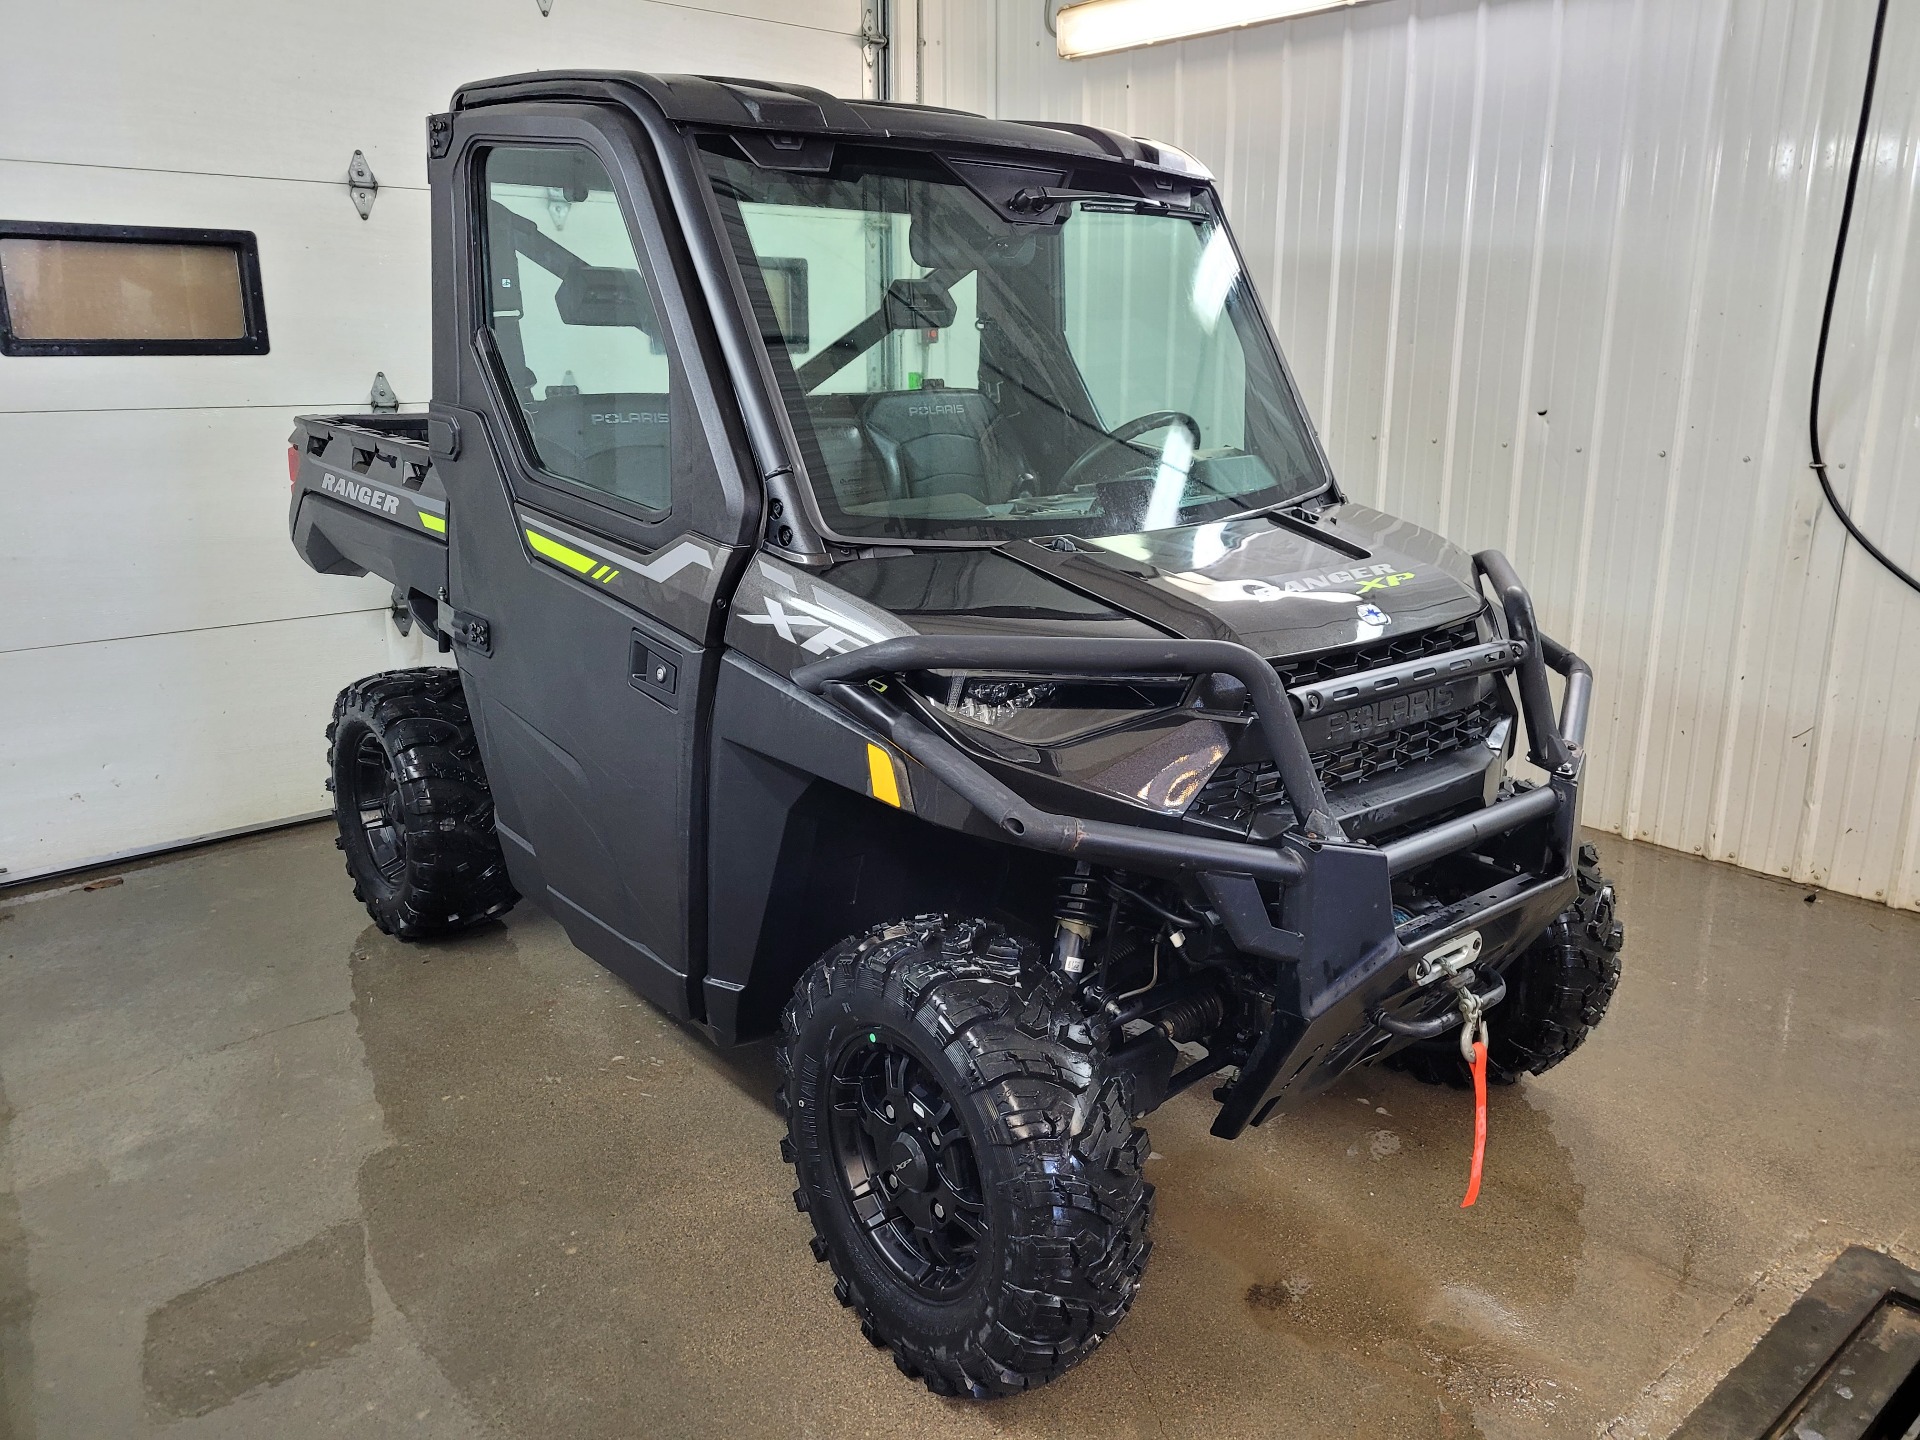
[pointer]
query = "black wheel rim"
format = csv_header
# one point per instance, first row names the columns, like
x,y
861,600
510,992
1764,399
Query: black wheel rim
x,y
908,1164
376,799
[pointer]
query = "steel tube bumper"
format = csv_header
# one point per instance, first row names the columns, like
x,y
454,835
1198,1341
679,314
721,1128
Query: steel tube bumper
x,y
1132,846
1469,830
1342,961
1439,1025
1060,656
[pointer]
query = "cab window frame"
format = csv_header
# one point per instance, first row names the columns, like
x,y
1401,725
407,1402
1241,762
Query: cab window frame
x,y
528,477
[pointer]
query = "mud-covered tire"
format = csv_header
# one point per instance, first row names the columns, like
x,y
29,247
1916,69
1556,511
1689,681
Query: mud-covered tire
x,y
1558,989
412,805
1059,1160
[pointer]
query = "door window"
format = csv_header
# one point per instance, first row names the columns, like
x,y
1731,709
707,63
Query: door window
x,y
576,325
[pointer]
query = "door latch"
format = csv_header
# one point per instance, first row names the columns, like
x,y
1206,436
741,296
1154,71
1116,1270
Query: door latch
x,y
472,632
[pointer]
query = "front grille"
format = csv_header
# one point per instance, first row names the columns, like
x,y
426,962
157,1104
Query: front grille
x,y
1237,793
1336,663
1396,749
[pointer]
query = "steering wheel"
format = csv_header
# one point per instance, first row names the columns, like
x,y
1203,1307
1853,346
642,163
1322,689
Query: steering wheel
x,y
1121,437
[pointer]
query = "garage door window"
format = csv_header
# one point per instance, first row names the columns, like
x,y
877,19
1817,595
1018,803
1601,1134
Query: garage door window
x,y
576,325
127,290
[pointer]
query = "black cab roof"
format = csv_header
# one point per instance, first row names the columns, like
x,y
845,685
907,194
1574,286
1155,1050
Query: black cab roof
x,y
725,102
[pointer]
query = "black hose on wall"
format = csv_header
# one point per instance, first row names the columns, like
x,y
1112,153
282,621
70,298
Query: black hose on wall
x,y
1826,317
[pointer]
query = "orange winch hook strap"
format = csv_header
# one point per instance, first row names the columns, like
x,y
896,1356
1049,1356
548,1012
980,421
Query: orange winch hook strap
x,y
1479,1121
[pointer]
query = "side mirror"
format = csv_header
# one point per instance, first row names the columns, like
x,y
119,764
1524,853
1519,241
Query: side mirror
x,y
605,295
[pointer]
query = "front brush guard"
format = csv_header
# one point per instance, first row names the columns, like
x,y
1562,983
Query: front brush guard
x,y
1336,940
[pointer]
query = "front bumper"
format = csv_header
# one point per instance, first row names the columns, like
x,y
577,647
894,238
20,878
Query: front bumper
x,y
1314,904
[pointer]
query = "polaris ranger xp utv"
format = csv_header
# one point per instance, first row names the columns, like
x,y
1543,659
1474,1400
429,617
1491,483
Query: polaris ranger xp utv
x,y
900,606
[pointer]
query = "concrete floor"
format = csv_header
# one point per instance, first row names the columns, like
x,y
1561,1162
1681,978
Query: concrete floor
x,y
264,1171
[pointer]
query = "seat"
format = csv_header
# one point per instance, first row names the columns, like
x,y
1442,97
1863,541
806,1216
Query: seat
x,y
621,444
933,442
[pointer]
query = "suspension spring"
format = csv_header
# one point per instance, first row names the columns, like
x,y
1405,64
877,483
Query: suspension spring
x,y
1082,902
1193,1017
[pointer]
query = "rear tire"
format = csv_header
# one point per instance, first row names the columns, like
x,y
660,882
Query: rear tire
x,y
1557,992
413,806
968,1160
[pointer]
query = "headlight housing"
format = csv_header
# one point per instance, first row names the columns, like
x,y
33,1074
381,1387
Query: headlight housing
x,y
1130,737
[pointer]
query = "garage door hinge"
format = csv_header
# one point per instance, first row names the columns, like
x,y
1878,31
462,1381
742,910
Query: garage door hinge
x,y
361,184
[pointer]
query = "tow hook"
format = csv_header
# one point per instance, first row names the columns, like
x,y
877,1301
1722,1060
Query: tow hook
x,y
1473,1016
1452,965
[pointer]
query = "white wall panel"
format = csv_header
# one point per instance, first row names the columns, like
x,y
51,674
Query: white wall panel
x,y
1550,274
957,56
344,296
166,662
175,547
181,735
290,90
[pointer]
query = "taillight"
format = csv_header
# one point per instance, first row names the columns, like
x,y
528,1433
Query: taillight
x,y
293,467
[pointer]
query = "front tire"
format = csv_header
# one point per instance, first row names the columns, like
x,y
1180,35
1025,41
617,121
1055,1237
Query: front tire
x,y
968,1160
413,806
1558,990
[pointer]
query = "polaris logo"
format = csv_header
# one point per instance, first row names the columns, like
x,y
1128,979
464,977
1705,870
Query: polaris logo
x,y
632,417
1364,721
360,494
949,409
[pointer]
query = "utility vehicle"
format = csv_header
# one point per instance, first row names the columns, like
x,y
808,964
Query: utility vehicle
x,y
900,606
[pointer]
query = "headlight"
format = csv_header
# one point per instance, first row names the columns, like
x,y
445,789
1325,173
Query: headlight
x,y
988,702
1127,736
1050,711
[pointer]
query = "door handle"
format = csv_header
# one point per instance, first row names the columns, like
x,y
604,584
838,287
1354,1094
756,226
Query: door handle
x,y
653,671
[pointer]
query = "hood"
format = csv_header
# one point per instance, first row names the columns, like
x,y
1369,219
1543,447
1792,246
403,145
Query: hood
x,y
1280,584
982,592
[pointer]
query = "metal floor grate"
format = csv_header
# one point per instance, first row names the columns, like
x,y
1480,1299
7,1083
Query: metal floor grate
x,y
1842,1364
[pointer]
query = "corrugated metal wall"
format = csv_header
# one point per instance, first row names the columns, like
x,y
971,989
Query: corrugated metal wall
x,y
1550,273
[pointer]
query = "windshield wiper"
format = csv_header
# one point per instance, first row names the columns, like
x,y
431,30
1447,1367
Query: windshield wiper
x,y
1042,198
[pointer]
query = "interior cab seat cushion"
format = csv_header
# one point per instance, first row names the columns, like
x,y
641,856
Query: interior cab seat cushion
x,y
933,442
620,444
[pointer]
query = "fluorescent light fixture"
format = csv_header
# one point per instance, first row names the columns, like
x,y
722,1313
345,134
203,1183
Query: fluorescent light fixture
x,y
1100,26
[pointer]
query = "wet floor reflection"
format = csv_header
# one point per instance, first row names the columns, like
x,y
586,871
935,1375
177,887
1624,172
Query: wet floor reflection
x,y
576,1222
585,1223
584,1217
262,1325
16,1309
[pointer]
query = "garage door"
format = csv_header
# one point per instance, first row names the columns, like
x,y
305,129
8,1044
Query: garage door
x,y
166,664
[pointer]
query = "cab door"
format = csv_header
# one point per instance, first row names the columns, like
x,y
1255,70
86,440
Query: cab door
x,y
595,508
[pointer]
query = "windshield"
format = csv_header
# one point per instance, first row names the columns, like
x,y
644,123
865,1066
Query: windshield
x,y
956,370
